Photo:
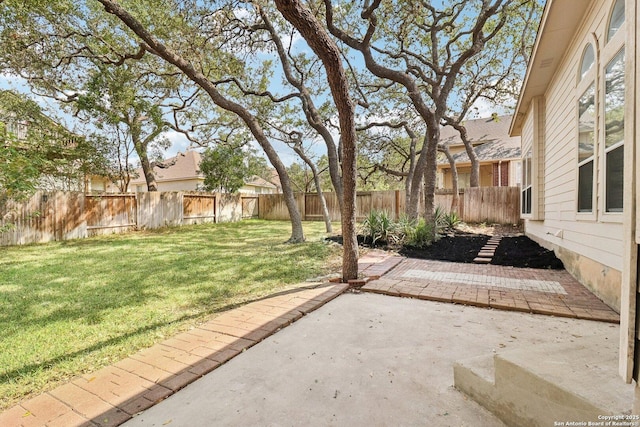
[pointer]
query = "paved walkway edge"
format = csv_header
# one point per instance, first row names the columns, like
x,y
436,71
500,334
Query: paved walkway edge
x,y
114,394
576,302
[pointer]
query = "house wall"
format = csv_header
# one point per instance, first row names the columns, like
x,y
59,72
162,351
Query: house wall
x,y
589,245
254,189
515,173
486,176
178,185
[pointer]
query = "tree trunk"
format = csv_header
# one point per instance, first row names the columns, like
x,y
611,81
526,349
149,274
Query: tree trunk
x,y
318,39
318,184
308,107
417,180
159,49
147,167
412,166
474,180
455,200
431,166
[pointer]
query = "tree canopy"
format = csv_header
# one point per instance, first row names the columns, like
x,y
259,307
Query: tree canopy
x,y
226,168
37,152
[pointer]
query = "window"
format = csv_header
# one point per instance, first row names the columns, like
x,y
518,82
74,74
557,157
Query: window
x,y
464,179
614,111
600,93
586,130
586,149
614,133
617,19
526,184
588,58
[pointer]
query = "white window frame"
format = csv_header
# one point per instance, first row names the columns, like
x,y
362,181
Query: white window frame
x,y
527,185
587,80
609,52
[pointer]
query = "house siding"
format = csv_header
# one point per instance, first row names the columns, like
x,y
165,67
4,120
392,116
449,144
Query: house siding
x,y
588,245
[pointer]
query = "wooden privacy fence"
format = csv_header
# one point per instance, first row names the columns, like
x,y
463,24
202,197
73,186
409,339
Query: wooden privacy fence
x,y
499,205
48,216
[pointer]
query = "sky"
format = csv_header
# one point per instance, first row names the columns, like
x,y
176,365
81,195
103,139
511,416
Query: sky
x,y
179,143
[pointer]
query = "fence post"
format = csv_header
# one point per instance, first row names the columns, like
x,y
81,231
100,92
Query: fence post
x,y
397,204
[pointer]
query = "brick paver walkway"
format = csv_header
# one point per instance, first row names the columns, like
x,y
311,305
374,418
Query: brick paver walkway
x,y
114,394
552,292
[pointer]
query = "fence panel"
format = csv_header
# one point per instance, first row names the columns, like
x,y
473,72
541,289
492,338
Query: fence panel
x,y
364,205
250,207
385,201
63,215
172,208
313,207
444,200
198,208
272,206
484,204
157,209
44,217
110,213
492,205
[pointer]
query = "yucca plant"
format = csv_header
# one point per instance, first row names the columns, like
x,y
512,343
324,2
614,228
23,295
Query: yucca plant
x,y
378,226
452,220
421,234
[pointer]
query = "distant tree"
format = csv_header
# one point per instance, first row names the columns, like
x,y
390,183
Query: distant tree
x,y
37,152
301,177
118,98
114,140
227,168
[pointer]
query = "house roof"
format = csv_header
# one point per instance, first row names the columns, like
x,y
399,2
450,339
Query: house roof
x,y
490,137
559,22
186,167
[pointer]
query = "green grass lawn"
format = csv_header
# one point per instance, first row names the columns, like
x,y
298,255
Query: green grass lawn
x,y
71,307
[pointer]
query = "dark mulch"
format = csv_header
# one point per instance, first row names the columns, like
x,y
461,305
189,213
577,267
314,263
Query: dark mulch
x,y
521,251
462,247
514,251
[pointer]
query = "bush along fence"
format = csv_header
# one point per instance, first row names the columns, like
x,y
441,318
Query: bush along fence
x,y
49,216
493,205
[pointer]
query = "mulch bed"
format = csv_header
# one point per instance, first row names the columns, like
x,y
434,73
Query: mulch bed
x,y
521,251
514,251
461,247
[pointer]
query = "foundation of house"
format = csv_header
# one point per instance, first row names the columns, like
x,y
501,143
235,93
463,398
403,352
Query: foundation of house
x,y
600,279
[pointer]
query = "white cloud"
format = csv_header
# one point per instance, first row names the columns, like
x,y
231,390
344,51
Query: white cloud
x,y
179,143
482,108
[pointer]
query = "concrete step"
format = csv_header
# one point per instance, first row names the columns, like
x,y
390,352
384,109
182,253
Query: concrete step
x,y
549,384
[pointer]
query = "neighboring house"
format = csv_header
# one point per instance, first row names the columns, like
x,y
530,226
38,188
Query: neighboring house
x,y
576,116
497,152
184,175
25,127
100,184
258,185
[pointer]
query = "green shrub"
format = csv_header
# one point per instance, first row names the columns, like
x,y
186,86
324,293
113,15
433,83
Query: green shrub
x,y
404,228
445,221
379,226
452,220
421,235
